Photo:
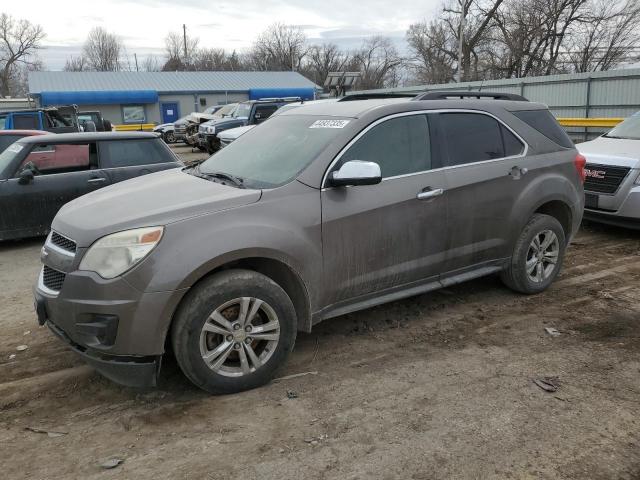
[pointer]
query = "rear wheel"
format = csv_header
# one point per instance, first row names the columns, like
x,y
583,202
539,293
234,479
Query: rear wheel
x,y
234,331
537,256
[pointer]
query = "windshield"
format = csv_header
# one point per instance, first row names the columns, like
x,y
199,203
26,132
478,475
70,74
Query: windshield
x,y
629,129
274,153
242,111
226,110
6,140
7,157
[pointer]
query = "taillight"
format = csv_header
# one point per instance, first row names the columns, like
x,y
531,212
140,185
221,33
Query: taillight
x,y
580,162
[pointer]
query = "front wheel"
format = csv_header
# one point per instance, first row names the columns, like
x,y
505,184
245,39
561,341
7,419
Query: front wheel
x,y
169,137
234,331
537,256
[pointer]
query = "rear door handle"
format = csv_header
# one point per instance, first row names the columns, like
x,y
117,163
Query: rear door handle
x,y
429,193
97,180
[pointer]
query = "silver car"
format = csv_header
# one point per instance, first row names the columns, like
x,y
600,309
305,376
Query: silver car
x,y
612,187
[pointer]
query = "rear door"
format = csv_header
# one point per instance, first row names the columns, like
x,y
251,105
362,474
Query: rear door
x,y
62,172
129,158
485,169
378,237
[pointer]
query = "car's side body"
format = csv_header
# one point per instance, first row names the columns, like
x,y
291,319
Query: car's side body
x,y
63,167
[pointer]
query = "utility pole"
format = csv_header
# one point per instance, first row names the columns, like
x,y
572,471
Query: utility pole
x,y
463,14
135,57
184,38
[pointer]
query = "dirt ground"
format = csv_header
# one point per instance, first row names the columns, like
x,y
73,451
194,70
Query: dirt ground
x,y
437,386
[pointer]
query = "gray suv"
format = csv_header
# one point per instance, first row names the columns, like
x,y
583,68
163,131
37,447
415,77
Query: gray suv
x,y
321,211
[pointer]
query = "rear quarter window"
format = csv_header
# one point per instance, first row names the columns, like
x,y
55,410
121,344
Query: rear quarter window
x,y
545,123
128,153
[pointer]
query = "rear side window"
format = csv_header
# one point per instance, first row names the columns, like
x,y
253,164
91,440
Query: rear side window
x,y
400,146
512,146
546,124
25,122
127,153
471,137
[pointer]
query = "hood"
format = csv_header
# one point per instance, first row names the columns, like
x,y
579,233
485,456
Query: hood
x,y
154,199
163,125
612,151
234,133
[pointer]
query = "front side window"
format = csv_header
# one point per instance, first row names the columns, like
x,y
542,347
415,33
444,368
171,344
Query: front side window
x,y
133,114
400,146
471,137
57,158
126,153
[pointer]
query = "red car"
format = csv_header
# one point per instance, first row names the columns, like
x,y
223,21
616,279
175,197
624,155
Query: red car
x,y
7,137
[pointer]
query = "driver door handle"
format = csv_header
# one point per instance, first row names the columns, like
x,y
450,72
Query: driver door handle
x,y
97,180
429,193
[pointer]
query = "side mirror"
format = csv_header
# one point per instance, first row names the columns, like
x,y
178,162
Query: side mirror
x,y
356,172
25,176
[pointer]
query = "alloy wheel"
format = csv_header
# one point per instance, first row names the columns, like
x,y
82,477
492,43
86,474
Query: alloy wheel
x,y
542,256
239,336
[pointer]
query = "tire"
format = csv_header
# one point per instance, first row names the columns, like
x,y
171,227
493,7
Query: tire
x,y
214,299
518,275
169,137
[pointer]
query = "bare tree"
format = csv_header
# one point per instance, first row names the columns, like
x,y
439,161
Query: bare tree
x,y
606,38
379,63
322,59
76,64
103,51
180,51
433,59
19,42
151,64
280,47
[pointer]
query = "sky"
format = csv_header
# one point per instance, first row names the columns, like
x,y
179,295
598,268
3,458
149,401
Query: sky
x,y
143,24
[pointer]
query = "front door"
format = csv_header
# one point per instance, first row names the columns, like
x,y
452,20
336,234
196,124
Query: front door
x,y
390,235
169,112
62,172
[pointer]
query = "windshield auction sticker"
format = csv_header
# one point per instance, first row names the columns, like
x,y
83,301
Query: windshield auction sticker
x,y
329,124
15,148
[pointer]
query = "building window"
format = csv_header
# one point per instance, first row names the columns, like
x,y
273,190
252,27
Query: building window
x,y
203,102
133,114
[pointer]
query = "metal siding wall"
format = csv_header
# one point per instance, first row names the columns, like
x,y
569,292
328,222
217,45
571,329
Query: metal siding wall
x,y
612,94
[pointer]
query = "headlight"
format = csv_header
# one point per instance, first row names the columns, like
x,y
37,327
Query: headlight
x,y
211,129
114,254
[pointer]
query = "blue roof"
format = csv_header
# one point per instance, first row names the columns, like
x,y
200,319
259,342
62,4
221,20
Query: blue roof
x,y
164,82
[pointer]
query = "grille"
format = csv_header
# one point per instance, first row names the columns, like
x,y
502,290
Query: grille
x,y
63,242
604,178
52,279
180,129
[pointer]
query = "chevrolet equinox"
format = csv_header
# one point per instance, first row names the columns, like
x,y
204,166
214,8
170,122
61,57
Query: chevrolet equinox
x,y
323,210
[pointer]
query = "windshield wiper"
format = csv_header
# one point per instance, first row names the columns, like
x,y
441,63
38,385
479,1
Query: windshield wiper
x,y
237,181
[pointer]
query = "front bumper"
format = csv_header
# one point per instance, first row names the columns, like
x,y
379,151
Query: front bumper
x,y
115,328
623,209
139,372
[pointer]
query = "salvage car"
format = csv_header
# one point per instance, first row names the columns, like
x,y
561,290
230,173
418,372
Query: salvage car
x,y
323,210
61,119
166,132
612,187
186,127
39,174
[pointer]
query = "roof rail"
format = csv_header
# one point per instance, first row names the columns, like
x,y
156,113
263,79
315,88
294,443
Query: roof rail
x,y
374,96
444,95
